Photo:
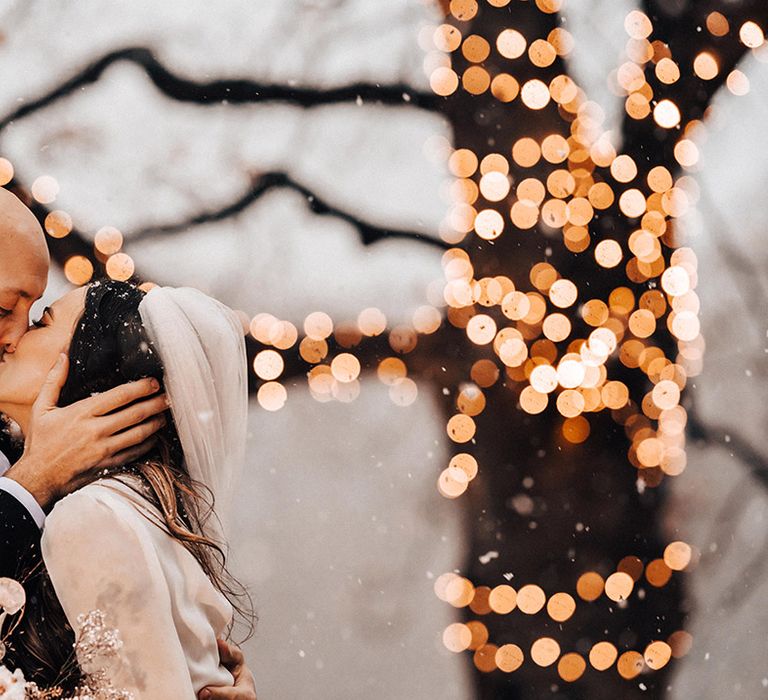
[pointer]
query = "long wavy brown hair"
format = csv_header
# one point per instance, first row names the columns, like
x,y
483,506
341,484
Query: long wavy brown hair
x,y
110,347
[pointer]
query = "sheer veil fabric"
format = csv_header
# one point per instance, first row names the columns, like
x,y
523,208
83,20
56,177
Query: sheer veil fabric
x,y
202,348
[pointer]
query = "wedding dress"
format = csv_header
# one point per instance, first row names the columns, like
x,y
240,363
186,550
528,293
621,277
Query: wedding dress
x,y
103,545
103,553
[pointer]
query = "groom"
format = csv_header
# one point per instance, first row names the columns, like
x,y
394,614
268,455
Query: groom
x,y
63,443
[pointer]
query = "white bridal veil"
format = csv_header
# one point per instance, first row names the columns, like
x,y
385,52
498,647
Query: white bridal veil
x,y
201,345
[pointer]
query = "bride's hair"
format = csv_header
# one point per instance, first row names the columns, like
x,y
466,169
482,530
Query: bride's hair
x,y
110,347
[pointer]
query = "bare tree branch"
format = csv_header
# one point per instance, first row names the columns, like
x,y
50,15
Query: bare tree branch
x,y
232,91
266,182
238,91
686,35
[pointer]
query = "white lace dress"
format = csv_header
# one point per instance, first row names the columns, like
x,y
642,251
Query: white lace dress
x,y
103,551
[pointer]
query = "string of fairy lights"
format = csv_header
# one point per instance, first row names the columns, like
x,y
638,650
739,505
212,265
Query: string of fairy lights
x,y
529,325
530,599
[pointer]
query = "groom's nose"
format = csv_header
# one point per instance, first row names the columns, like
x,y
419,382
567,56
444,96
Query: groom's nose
x,y
12,332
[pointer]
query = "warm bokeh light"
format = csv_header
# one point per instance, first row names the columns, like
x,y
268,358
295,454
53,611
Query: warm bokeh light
x,y
561,607
571,667
510,43
272,396
120,267
545,651
705,66
45,189
667,114
530,599
78,270
108,240
603,655
751,35
318,325
268,364
6,171
58,224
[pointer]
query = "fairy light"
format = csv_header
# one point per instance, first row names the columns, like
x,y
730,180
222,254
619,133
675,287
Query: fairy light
x,y
45,189
120,267
705,66
58,224
6,171
108,239
78,270
666,114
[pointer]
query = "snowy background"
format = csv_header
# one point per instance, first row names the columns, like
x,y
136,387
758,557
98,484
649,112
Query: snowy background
x,y
340,527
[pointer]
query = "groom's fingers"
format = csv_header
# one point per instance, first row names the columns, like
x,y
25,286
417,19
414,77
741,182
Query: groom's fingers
x,y
133,436
233,660
120,396
49,394
133,415
129,455
230,654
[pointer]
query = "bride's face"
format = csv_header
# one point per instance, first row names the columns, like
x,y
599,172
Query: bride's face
x,y
23,371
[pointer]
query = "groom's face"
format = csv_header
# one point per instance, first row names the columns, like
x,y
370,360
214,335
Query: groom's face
x,y
23,268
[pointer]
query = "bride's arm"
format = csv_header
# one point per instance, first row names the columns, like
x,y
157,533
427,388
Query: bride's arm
x,y
99,556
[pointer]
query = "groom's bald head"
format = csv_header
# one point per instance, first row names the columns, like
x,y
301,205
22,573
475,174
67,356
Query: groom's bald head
x,y
24,262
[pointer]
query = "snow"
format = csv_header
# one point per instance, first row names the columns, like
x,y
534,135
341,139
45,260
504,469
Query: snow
x,y
345,601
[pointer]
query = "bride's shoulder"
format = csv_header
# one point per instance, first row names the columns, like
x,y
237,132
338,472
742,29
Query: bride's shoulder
x,y
115,498
100,525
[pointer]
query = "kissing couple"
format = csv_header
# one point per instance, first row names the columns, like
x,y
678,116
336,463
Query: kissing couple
x,y
117,498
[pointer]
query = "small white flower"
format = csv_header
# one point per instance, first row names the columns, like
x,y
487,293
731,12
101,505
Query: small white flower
x,y
12,685
12,595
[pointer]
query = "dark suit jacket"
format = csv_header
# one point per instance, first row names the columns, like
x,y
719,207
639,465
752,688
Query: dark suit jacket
x,y
20,559
19,537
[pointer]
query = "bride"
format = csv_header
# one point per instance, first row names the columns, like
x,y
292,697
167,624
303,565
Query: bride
x,y
142,543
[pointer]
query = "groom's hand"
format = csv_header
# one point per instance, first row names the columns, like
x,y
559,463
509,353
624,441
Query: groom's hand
x,y
64,443
245,686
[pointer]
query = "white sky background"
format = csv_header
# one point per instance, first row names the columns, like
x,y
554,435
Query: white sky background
x,y
340,523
